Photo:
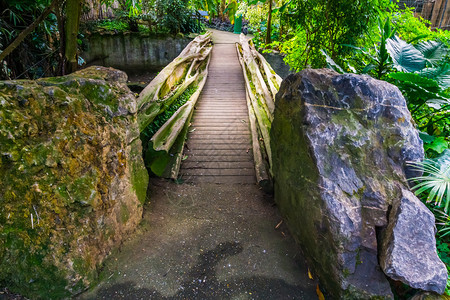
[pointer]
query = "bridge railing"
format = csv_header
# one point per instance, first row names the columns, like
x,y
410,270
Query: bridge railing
x,y
166,105
262,84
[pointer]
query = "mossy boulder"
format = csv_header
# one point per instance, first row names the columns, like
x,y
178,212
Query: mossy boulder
x,y
341,144
73,181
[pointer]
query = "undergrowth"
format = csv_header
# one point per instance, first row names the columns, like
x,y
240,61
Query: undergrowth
x,y
162,118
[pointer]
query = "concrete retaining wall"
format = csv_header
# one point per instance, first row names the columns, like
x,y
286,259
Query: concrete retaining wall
x,y
133,52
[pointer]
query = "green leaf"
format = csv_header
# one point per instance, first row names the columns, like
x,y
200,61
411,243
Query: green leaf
x,y
282,8
368,68
426,138
439,145
435,182
405,56
438,103
418,38
441,74
416,79
434,51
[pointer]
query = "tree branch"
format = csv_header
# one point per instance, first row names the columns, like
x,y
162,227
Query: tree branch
x,y
19,39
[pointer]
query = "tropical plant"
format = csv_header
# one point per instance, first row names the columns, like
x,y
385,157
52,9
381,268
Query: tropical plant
x,y
435,182
417,58
28,36
431,143
211,6
424,80
378,61
174,15
443,222
328,28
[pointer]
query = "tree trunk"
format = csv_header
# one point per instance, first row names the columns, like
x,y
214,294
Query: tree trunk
x,y
73,14
222,9
59,12
27,31
269,25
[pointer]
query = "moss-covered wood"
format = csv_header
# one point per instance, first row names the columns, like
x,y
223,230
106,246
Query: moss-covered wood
x,y
262,84
173,80
184,77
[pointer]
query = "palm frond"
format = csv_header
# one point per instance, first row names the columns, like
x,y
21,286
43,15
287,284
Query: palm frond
x,y
435,181
443,222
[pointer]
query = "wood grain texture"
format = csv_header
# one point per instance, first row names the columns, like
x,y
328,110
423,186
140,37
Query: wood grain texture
x,y
218,149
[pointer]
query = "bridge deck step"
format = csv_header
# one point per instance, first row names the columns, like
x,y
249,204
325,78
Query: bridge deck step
x,y
220,179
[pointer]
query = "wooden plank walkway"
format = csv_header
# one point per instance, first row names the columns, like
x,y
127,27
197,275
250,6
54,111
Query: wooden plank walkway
x,y
219,148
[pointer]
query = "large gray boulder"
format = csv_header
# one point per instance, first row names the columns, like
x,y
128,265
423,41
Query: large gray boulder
x,y
340,147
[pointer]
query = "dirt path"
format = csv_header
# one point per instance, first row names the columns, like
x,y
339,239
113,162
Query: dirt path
x,y
207,241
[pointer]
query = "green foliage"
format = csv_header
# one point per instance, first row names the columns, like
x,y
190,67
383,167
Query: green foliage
x,y
231,9
424,78
174,15
444,254
435,182
163,16
113,25
405,56
166,114
211,6
376,61
410,27
426,86
437,144
328,28
157,161
443,224
35,56
257,12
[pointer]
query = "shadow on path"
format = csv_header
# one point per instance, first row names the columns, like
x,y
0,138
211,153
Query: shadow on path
x,y
201,283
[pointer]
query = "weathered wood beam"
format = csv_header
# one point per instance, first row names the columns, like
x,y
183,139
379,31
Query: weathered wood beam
x,y
264,122
173,80
189,69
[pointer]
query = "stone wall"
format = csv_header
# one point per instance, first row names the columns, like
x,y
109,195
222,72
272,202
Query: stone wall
x,y
133,52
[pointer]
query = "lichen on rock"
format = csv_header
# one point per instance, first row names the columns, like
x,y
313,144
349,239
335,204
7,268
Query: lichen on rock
x,y
341,144
72,178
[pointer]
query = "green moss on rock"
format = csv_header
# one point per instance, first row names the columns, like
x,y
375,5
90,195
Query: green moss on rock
x,y
69,166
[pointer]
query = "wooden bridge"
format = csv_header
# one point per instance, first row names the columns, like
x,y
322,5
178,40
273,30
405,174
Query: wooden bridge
x,y
209,241
228,138
219,146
